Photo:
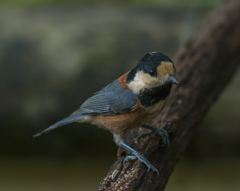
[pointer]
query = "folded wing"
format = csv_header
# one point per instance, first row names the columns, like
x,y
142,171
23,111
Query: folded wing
x,y
111,100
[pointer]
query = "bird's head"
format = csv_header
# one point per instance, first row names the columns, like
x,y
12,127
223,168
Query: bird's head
x,y
154,70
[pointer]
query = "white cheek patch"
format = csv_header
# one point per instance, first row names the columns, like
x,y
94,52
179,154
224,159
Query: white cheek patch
x,y
139,82
139,79
144,81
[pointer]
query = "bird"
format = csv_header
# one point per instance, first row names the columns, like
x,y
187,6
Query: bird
x,y
130,101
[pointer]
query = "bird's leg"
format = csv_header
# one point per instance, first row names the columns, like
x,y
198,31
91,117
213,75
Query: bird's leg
x,y
119,141
155,130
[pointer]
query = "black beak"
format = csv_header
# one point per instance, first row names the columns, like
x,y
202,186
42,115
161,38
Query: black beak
x,y
172,79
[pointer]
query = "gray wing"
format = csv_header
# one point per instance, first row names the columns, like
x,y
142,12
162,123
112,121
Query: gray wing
x,y
111,100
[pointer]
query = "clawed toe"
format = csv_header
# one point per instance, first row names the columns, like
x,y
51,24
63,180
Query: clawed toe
x,y
168,125
143,160
119,141
128,158
154,130
165,139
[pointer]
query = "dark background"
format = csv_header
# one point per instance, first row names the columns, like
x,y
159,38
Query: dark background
x,y
54,55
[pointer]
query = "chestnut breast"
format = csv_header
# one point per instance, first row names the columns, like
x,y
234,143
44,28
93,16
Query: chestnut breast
x,y
120,123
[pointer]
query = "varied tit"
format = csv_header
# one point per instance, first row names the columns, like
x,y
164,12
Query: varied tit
x,y
132,100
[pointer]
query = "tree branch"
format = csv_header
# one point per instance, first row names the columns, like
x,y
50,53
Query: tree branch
x,y
204,67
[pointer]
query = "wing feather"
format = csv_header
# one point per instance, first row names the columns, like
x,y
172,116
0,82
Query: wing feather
x,y
111,100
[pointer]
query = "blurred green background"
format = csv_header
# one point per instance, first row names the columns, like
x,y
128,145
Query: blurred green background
x,y
55,54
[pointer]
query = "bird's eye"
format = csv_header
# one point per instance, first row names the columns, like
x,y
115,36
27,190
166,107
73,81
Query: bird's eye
x,y
152,72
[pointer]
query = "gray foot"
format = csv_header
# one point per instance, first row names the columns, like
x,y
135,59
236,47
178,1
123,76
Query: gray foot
x,y
128,158
119,141
155,130
138,156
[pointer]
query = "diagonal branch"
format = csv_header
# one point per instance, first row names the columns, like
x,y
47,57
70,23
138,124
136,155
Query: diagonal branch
x,y
204,68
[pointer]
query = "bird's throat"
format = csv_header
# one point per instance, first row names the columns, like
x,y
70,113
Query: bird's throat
x,y
150,97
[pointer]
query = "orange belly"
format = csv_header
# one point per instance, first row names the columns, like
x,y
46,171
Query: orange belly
x,y
120,123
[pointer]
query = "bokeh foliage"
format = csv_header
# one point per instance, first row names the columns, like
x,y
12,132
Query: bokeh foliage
x,y
163,3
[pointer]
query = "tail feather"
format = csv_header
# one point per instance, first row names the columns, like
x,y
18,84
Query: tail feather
x,y
69,119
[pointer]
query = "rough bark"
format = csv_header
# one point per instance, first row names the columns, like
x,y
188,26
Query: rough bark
x,y
204,67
